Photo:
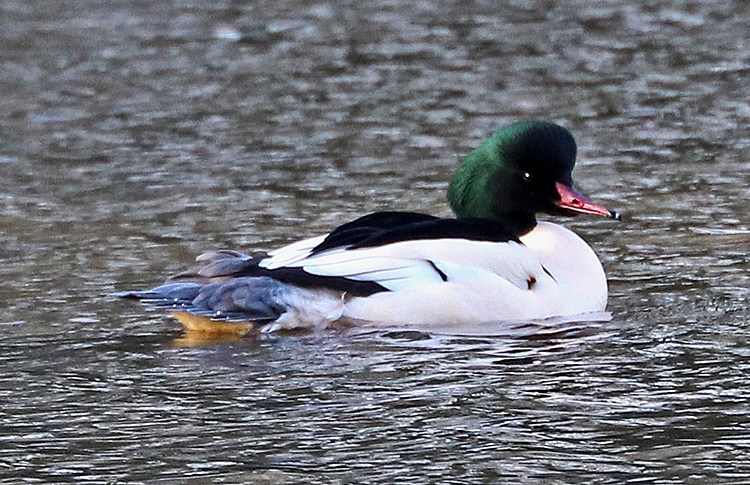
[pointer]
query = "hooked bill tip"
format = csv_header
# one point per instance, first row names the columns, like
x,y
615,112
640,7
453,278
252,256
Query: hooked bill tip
x,y
615,215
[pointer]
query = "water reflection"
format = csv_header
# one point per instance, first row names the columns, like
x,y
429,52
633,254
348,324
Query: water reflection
x,y
199,339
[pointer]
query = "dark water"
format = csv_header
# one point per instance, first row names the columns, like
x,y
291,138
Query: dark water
x,y
135,135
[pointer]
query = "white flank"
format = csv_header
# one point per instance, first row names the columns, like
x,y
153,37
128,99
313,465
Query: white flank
x,y
450,281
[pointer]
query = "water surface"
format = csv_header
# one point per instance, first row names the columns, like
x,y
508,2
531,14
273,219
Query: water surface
x,y
136,135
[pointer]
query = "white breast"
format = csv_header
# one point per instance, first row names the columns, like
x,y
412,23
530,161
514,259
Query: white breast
x,y
574,265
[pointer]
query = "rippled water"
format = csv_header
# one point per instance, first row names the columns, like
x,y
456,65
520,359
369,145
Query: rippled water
x,y
135,135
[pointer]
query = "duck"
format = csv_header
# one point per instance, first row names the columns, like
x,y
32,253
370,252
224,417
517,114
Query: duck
x,y
492,262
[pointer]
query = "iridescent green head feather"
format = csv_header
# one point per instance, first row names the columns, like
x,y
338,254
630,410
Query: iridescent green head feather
x,y
513,175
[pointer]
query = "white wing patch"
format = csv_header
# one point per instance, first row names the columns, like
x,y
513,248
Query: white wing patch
x,y
408,263
290,254
393,274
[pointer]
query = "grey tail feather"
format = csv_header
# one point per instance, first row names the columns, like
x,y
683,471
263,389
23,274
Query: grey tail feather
x,y
257,299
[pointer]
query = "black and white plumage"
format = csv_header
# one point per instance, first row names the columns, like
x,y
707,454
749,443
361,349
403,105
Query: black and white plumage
x,y
472,272
495,263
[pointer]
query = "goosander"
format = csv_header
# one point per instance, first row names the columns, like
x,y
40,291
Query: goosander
x,y
494,262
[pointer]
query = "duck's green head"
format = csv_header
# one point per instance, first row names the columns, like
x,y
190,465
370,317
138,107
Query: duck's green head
x,y
518,172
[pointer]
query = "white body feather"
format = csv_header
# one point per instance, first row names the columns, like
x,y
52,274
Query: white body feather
x,y
453,281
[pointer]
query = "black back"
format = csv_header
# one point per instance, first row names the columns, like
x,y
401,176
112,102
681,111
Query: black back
x,y
383,228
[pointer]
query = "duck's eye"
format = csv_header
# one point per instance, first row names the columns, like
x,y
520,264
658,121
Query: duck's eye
x,y
526,177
